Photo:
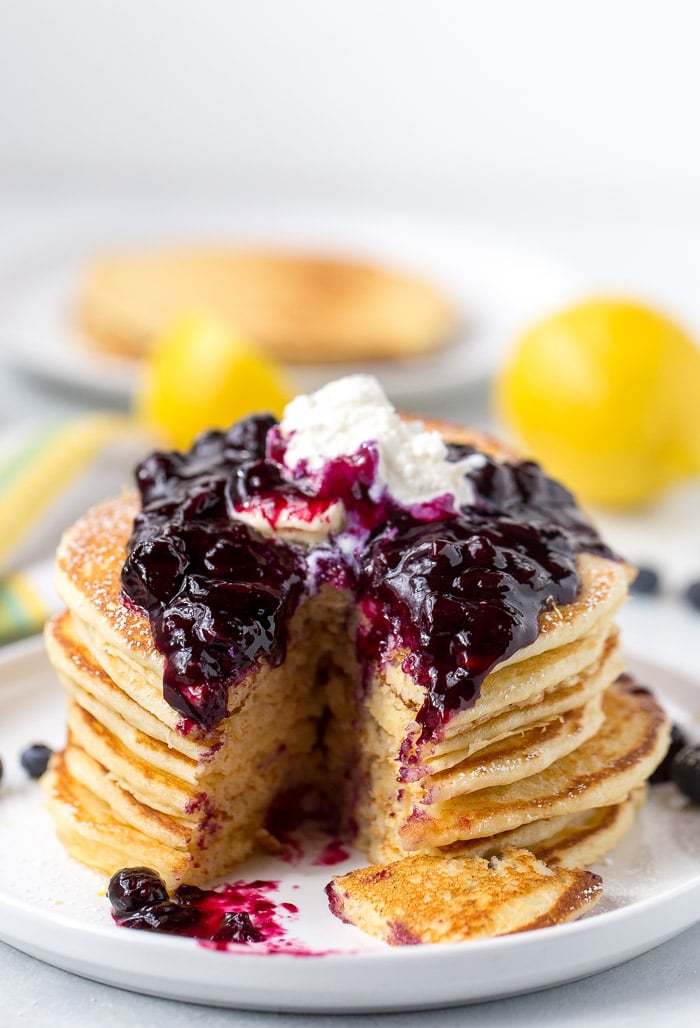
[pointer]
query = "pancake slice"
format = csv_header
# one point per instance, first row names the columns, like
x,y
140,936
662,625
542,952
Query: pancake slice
x,y
569,840
518,756
424,899
630,744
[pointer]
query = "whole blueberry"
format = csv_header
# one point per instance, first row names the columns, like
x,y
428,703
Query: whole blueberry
x,y
646,583
685,772
134,888
35,759
663,771
692,594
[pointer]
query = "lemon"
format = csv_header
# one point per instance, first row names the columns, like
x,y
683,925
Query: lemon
x,y
201,375
607,395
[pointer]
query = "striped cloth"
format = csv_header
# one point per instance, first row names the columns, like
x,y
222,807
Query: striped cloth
x,y
50,472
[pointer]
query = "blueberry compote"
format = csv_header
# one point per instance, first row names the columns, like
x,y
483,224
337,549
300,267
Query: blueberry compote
x,y
219,597
241,912
460,590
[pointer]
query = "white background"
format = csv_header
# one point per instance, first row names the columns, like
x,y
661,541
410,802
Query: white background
x,y
383,98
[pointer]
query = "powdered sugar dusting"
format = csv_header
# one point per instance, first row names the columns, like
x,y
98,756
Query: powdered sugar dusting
x,y
88,571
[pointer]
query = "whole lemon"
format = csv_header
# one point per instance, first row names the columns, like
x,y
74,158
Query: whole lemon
x,y
607,395
201,375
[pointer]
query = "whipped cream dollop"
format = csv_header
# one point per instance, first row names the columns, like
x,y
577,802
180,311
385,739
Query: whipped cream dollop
x,y
351,418
350,412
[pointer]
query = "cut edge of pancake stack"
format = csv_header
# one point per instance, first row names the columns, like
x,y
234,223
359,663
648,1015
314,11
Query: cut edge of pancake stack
x,y
553,756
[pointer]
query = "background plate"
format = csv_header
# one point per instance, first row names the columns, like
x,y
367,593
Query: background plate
x,y
497,286
55,909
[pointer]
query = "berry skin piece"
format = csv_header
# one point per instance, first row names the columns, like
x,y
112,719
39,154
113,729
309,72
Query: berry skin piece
x,y
135,888
692,595
646,583
167,916
0,769
685,772
237,927
35,759
187,895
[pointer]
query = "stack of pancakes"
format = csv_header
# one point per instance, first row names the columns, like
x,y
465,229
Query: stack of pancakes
x,y
553,756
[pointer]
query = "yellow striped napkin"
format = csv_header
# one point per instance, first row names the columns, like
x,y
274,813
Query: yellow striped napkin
x,y
50,472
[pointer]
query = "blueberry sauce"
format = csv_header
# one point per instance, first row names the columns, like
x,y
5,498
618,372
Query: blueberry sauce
x,y
334,852
460,590
241,912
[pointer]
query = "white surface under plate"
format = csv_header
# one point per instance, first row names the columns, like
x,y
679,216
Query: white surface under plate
x,y
55,909
497,286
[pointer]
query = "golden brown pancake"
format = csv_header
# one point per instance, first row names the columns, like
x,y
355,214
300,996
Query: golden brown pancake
x,y
298,308
451,899
568,840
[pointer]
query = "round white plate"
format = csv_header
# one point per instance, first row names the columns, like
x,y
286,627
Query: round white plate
x,y
497,286
55,909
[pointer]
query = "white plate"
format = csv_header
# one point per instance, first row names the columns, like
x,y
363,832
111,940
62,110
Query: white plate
x,y
55,909
498,287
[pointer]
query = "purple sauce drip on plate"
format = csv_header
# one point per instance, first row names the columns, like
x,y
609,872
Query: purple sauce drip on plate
x,y
238,914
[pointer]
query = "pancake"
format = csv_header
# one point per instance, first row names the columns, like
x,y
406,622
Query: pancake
x,y
424,899
630,744
298,308
568,840
519,755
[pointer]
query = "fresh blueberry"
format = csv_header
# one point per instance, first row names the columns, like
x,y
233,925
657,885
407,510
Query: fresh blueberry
x,y
35,759
692,594
685,772
646,583
134,888
663,771
167,916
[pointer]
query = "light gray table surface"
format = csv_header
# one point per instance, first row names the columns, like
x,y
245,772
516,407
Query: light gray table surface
x,y
661,987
